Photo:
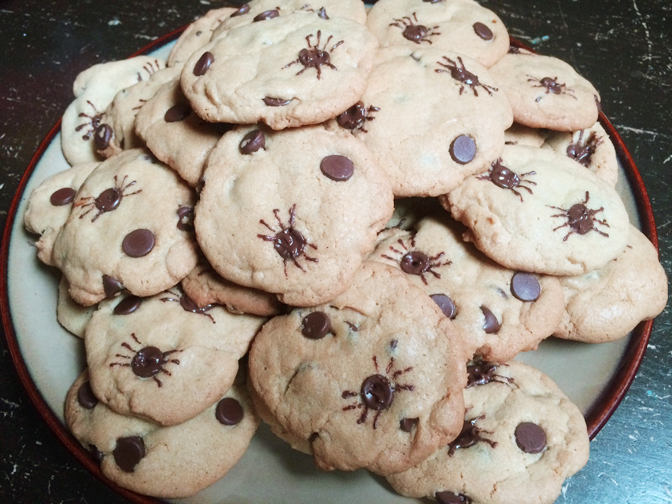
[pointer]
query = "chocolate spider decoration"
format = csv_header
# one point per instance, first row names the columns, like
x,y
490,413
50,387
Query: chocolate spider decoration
x,y
151,68
289,243
415,32
107,200
314,57
580,219
146,362
322,12
92,124
354,118
458,72
505,178
552,86
377,391
482,373
415,262
582,152
469,436
188,304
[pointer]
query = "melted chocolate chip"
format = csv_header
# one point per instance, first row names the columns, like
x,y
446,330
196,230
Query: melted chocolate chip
x,y
127,305
252,142
481,373
185,218
530,437
525,286
269,14
128,452
491,324
483,31
102,137
377,392
503,177
62,196
414,263
244,9
551,85
111,286
415,33
579,218
229,411
188,305
447,497
316,325
353,118
322,13
407,424
275,102
108,200
463,149
85,396
432,1
147,362
96,453
203,63
289,243
469,436
138,243
338,168
177,113
446,304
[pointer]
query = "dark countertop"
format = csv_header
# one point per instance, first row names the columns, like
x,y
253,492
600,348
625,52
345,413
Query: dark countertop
x,y
622,47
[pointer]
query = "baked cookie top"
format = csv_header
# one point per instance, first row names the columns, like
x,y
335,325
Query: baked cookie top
x,y
286,71
522,437
292,212
451,25
539,211
372,379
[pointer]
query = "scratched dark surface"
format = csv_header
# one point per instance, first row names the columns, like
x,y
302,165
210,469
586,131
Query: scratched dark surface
x,y
622,46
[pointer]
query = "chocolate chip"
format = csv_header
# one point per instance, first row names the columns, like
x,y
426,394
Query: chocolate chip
x,y
432,1
447,497
414,263
316,325
353,118
85,396
177,113
185,218
289,243
229,411
102,137
188,305
407,424
138,243
62,196
252,142
483,31
96,453
446,304
244,9
377,392
275,102
203,63
128,452
111,286
481,373
147,362
108,200
491,324
322,13
127,305
337,167
269,14
525,286
530,437
463,149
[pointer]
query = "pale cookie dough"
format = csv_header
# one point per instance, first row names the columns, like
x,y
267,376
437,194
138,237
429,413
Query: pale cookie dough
x,y
539,211
450,25
94,90
518,134
591,148
163,358
430,123
522,438
606,304
373,379
128,229
50,205
290,71
165,462
72,316
546,92
501,312
292,212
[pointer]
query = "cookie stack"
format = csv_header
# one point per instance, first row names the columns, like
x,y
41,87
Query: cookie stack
x,y
376,212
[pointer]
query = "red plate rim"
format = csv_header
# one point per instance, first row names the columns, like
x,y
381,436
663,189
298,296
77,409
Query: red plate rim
x,y
596,418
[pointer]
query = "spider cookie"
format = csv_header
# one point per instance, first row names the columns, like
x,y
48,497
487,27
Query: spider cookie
x,y
72,316
129,228
295,70
372,379
450,25
591,148
453,119
522,437
205,287
163,358
606,304
501,312
539,211
168,462
546,92
94,90
176,135
292,212
50,204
